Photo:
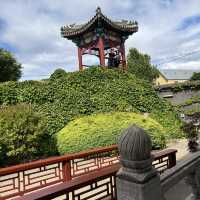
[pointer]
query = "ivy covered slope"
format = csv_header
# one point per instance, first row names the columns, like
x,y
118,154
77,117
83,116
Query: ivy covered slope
x,y
104,129
91,91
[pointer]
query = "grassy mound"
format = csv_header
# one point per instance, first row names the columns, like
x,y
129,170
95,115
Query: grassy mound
x,y
103,129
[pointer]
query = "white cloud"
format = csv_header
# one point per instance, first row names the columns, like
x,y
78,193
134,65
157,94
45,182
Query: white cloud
x,y
33,28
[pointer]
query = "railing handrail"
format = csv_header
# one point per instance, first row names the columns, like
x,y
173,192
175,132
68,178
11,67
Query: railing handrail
x,y
163,153
63,188
171,177
70,156
56,159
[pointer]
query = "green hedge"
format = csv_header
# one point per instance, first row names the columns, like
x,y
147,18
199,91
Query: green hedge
x,y
103,130
23,135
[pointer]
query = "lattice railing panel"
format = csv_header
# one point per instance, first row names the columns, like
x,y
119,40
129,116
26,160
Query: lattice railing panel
x,y
97,161
98,190
161,164
24,181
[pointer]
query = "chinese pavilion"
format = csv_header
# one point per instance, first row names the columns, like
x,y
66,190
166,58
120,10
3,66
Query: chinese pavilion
x,y
101,37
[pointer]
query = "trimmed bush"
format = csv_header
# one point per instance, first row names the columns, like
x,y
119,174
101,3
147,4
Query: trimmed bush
x,y
23,135
103,130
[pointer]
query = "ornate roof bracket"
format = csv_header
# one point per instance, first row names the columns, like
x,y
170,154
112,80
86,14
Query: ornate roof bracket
x,y
123,27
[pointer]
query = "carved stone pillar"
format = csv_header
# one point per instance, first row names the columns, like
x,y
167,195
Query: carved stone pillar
x,y
137,179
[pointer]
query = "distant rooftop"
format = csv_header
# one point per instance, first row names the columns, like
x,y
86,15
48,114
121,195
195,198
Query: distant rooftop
x,y
174,74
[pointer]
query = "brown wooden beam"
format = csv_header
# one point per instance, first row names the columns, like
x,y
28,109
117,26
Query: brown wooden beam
x,y
101,51
80,59
124,65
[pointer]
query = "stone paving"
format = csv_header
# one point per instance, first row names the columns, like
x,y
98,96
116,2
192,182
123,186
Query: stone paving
x,y
181,191
180,145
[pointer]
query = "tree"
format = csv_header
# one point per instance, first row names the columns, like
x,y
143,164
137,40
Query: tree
x,y
195,76
139,64
10,69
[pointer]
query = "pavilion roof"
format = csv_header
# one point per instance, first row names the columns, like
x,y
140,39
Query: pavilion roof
x,y
124,26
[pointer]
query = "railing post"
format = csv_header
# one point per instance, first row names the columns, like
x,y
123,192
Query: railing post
x,y
66,169
137,179
172,160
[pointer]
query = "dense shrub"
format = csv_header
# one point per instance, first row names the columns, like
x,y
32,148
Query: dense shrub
x,y
23,135
103,129
195,76
8,93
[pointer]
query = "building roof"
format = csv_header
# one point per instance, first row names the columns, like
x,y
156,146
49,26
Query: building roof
x,y
124,26
174,74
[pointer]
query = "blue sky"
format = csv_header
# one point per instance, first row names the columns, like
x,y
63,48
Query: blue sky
x,y
31,30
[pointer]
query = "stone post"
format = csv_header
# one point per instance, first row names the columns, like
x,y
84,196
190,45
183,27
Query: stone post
x,y
137,179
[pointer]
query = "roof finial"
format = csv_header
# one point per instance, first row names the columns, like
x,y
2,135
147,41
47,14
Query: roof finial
x,y
98,10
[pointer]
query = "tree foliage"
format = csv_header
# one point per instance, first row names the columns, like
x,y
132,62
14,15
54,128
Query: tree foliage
x,y
195,76
140,65
10,69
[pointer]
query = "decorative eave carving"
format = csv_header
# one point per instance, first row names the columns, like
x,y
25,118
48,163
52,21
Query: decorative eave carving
x,y
124,26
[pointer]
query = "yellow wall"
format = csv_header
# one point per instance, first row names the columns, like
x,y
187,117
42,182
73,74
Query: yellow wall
x,y
161,80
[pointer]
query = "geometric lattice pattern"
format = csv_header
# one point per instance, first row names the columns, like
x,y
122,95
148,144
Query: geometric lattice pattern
x,y
97,161
102,189
28,180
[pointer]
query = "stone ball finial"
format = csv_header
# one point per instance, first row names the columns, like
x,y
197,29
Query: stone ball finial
x,y
134,144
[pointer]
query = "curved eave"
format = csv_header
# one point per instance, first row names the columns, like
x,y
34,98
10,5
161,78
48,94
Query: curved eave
x,y
126,29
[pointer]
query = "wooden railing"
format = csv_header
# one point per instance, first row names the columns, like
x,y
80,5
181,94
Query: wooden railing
x,y
20,179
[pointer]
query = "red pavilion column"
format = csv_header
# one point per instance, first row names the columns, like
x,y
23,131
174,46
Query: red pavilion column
x,y
124,65
101,51
80,59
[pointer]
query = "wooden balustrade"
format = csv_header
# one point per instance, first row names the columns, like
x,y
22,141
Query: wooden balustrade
x,y
20,179
96,185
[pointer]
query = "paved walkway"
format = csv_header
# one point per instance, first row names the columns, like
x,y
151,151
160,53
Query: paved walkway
x,y
180,191
180,145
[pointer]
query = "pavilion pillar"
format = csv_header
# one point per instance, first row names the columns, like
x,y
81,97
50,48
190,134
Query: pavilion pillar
x,y
124,65
80,59
101,51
